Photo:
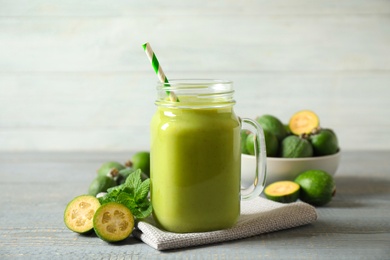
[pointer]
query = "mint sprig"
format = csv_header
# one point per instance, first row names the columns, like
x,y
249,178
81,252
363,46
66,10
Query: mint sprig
x,y
133,194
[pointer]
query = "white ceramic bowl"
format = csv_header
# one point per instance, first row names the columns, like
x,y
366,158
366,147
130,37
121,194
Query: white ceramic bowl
x,y
279,169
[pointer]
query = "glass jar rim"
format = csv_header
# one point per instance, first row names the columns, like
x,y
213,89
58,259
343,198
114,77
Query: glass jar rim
x,y
202,92
194,82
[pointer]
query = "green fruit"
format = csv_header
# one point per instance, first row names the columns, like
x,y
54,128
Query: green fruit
x,y
303,122
244,135
296,147
110,169
141,160
282,191
250,144
288,130
274,125
113,222
324,142
123,174
271,144
101,184
79,212
317,187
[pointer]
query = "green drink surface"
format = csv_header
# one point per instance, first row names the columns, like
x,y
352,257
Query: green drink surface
x,y
195,168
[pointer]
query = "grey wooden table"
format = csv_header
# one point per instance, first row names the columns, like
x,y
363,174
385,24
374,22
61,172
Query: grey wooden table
x,y
35,187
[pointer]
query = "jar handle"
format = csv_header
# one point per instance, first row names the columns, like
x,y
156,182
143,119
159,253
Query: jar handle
x,y
258,184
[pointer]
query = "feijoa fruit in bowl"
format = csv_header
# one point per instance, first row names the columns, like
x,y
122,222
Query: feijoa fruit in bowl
x,y
302,145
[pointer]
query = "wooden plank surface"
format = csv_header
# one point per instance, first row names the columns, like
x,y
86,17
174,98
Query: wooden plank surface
x,y
36,187
74,77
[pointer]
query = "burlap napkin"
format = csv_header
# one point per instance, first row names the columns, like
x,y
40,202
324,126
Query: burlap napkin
x,y
258,216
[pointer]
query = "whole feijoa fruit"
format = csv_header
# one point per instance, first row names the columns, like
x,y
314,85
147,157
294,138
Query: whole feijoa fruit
x,y
271,144
295,147
243,136
101,184
324,142
141,160
317,187
110,169
272,124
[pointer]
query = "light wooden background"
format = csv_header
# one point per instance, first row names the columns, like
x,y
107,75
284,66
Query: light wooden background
x,y
73,75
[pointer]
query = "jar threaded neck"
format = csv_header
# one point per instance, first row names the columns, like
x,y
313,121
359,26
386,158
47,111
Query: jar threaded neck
x,y
195,93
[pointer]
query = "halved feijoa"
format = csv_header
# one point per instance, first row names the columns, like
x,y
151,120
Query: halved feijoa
x,y
303,122
113,222
79,212
282,191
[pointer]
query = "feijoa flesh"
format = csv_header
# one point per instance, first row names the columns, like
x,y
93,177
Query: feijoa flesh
x,y
79,212
303,122
113,222
282,191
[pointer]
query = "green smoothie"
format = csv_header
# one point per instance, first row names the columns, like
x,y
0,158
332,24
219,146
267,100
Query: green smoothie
x,y
195,168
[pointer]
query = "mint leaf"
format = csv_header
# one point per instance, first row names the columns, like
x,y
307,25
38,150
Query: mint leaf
x,y
133,181
106,199
125,199
133,194
144,212
142,191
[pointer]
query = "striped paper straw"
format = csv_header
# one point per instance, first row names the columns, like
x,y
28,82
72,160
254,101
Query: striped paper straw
x,y
158,69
